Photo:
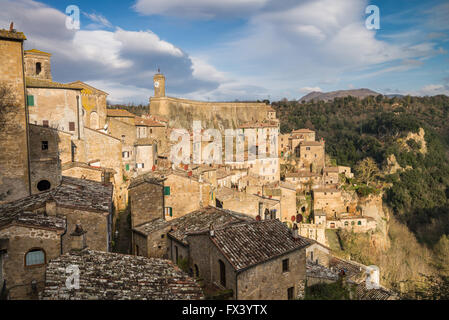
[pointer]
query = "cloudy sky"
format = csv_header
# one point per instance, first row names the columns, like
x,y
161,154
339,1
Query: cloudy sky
x,y
240,49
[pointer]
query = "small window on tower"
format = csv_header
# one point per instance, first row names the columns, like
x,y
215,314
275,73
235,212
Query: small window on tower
x,y
38,68
71,126
44,145
45,123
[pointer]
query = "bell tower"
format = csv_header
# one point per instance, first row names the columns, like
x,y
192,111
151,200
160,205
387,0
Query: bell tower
x,y
159,84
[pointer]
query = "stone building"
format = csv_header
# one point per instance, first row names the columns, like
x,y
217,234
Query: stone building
x,y
219,115
168,239
146,200
331,175
37,64
75,200
354,223
311,155
304,179
93,101
27,242
128,278
256,206
237,257
45,158
14,156
329,200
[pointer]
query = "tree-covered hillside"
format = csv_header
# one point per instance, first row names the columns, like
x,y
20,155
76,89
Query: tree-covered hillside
x,y
375,127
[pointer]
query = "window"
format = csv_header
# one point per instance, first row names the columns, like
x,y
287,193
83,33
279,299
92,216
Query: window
x,y
359,223
43,185
140,165
307,148
197,271
35,257
71,126
125,154
45,123
127,167
166,191
123,138
38,68
30,101
168,211
44,145
285,265
222,273
291,293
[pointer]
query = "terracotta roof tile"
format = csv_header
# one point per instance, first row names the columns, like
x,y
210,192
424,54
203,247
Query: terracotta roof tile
x,y
41,83
120,113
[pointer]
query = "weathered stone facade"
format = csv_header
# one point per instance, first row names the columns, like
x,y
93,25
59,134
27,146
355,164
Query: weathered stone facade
x,y
14,161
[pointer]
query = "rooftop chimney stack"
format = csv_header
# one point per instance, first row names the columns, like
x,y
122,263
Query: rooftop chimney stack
x,y
295,231
50,208
78,238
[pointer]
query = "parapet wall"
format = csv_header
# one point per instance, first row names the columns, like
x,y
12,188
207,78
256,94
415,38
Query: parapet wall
x,y
219,115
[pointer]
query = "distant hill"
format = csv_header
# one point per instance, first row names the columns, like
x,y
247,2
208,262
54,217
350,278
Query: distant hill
x,y
329,96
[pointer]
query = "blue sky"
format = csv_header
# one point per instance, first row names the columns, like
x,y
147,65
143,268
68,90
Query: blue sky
x,y
241,49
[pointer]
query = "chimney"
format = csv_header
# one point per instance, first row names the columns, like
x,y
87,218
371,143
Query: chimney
x,y
11,27
78,238
295,234
50,207
211,230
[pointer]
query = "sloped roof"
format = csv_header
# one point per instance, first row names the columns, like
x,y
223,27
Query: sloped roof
x,y
13,35
113,276
247,244
120,113
331,169
35,51
304,130
42,83
310,143
71,193
195,221
138,121
83,85
32,220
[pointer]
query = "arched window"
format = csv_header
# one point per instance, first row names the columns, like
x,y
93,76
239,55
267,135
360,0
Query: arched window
x,y
35,257
38,68
43,185
94,120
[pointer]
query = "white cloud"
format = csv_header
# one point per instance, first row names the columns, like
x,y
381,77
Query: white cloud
x,y
130,58
205,9
98,19
310,89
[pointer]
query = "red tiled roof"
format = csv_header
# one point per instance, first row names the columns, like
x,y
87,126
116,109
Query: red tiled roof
x,y
138,121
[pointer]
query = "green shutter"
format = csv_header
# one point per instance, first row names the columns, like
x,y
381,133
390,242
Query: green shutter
x,y
127,167
30,101
171,211
166,191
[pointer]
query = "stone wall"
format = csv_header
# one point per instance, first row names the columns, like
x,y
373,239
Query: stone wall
x,y
59,107
17,275
186,195
14,167
266,281
147,203
219,115
205,256
140,247
94,223
31,59
45,164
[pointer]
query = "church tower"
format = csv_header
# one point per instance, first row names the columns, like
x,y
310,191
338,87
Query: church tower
x,y
159,85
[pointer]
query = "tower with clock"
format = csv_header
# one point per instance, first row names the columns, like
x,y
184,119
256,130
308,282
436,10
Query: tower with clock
x,y
159,85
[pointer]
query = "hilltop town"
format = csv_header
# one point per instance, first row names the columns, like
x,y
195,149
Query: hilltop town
x,y
72,171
